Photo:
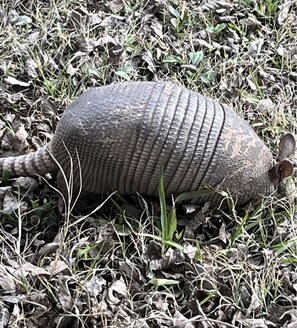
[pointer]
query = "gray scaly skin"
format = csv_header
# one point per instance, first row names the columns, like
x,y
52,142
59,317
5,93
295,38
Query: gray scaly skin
x,y
116,137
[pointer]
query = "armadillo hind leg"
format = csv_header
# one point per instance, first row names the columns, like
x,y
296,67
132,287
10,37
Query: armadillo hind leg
x,y
36,163
69,191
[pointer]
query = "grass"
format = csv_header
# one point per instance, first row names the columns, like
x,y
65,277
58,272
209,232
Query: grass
x,y
131,261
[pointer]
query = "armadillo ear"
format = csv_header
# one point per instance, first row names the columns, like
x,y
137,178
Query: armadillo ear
x,y
284,169
287,146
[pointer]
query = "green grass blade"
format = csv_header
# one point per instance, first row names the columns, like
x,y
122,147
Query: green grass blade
x,y
162,198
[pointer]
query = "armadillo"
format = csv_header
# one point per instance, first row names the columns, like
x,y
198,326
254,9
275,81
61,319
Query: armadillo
x,y
114,138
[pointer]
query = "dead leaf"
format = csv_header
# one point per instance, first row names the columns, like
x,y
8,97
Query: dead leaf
x,y
106,39
11,205
48,249
86,44
190,250
20,139
64,296
251,84
94,19
181,321
131,270
4,316
266,105
170,259
117,288
222,233
281,51
31,68
21,20
27,266
13,81
255,303
157,27
4,191
111,21
56,267
95,285
216,5
27,183
255,46
72,70
161,304
148,58
33,37
77,17
14,299
116,6
284,11
7,282
290,317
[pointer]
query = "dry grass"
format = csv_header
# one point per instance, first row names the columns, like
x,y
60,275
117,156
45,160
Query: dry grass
x,y
119,266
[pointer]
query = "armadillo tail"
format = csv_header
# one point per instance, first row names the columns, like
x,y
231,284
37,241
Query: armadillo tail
x,y
39,162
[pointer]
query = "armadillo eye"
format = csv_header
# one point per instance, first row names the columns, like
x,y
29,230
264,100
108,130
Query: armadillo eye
x,y
274,176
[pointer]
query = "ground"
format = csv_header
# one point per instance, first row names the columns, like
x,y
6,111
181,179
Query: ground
x,y
126,262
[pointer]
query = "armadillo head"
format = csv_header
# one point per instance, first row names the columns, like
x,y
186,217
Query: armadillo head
x,y
252,172
282,168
